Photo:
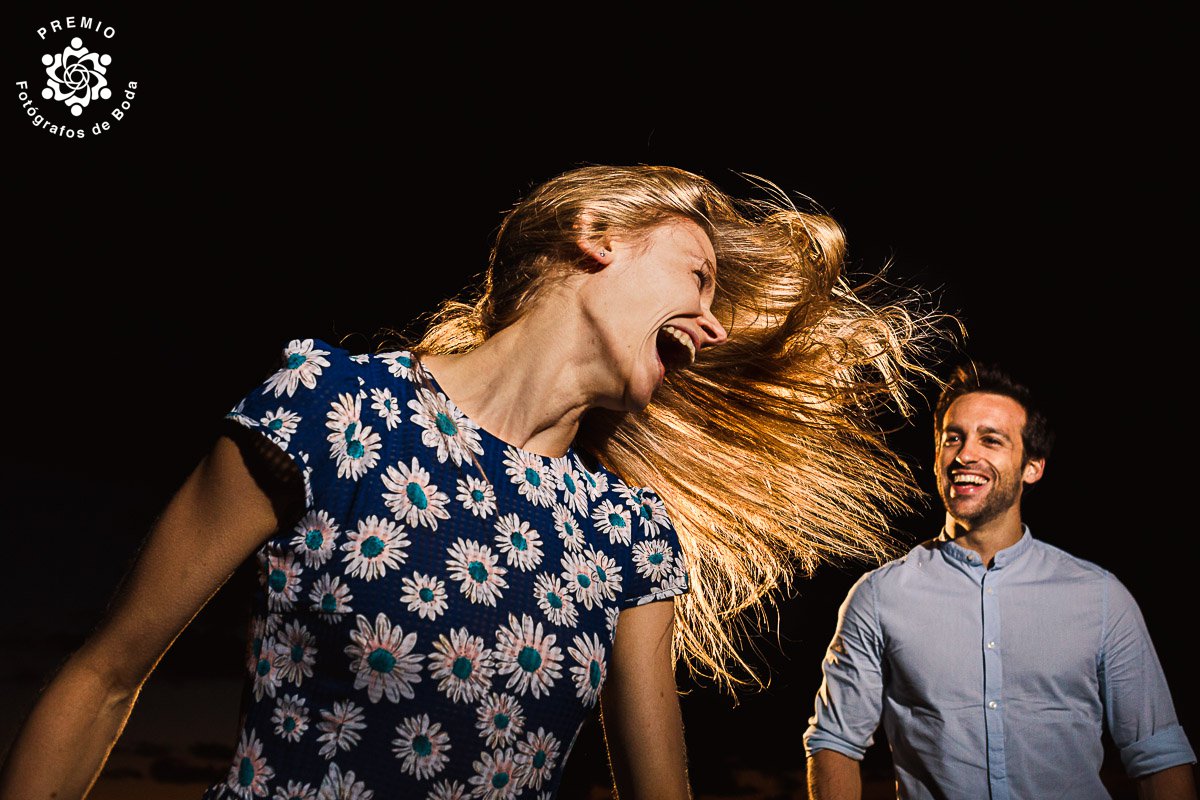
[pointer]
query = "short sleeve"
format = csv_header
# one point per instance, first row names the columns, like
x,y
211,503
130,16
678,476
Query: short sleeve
x,y
309,409
654,560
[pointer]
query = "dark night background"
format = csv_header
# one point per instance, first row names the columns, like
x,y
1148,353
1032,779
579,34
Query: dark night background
x,y
322,171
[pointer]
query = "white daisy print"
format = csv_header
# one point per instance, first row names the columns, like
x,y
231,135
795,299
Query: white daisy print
x,y
302,365
339,786
653,559
597,482
448,790
606,575
249,774
590,668
295,653
614,520
361,358
387,407
281,576
495,776
413,498
377,546
533,477
316,533
280,424
555,601
462,665
632,495
425,594
500,719
612,615
290,717
400,363
382,658
527,656
421,747
520,544
675,582
567,528
474,566
580,578
330,598
340,728
266,675
536,758
570,483
477,496
651,514
261,629
353,445
295,790
444,427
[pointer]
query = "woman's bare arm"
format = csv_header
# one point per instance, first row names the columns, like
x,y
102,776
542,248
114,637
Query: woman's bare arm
x,y
643,724
219,516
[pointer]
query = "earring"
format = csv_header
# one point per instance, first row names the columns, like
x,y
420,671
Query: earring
x,y
600,253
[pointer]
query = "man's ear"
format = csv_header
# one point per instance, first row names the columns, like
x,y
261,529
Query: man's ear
x,y
1034,468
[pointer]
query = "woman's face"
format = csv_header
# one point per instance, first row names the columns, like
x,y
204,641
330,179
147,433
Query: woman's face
x,y
651,305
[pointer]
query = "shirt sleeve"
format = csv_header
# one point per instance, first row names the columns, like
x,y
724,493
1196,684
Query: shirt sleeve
x,y
1138,707
655,563
312,384
850,701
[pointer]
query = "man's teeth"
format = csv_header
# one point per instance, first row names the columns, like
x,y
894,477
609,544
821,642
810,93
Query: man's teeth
x,y
961,478
683,339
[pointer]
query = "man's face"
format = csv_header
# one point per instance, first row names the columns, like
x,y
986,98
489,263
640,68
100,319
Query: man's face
x,y
981,465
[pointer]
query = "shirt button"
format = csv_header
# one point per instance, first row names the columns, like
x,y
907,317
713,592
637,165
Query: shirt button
x,y
991,645
991,704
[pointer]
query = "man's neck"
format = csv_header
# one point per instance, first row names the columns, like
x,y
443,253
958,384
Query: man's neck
x,y
987,538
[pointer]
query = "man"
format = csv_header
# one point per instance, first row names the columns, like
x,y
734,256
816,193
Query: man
x,y
994,660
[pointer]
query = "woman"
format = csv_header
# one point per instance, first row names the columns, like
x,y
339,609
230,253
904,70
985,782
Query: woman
x,y
654,412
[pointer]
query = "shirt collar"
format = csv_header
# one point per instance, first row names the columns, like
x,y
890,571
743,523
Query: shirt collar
x,y
1003,557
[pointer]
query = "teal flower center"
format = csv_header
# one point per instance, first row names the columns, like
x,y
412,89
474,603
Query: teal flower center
x,y
355,449
616,520
533,477
297,653
314,539
295,360
554,600
500,780
404,361
570,529
646,512
387,405
278,580
416,495
289,724
421,745
329,603
655,558
500,721
594,674
518,541
477,571
246,772
529,659
381,660
371,547
569,483
349,432
539,759
264,666
584,580
601,574
462,668
446,425
477,495
275,424
426,594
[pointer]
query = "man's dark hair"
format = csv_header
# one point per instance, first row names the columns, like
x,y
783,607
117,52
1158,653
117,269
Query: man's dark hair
x,y
1036,436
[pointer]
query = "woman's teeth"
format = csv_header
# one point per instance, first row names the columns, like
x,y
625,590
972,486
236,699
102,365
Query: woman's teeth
x,y
683,339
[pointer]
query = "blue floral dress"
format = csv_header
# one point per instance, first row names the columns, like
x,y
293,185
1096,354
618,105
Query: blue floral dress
x,y
438,624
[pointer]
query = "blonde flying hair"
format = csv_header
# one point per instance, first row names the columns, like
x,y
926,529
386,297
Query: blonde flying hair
x,y
765,451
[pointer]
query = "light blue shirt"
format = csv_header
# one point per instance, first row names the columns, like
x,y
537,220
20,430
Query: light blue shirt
x,y
996,683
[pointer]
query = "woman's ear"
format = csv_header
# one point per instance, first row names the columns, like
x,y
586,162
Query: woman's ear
x,y
594,244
